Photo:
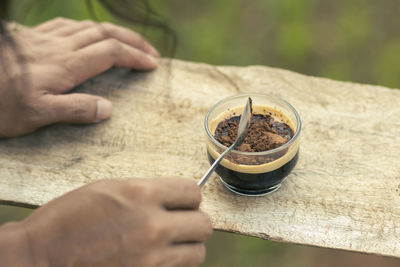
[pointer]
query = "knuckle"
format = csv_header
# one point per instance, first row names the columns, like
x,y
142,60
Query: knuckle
x,y
208,224
87,22
141,189
192,188
61,20
105,194
102,183
141,40
187,186
113,45
197,195
187,183
157,231
106,28
97,186
106,25
58,19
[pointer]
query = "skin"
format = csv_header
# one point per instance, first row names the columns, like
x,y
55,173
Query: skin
x,y
132,222
59,55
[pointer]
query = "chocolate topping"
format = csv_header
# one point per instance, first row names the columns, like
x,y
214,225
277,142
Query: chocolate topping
x,y
265,133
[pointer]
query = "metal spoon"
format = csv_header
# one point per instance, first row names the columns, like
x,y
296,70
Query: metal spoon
x,y
241,135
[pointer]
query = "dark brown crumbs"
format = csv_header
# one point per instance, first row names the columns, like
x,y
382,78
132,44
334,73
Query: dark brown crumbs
x,y
264,133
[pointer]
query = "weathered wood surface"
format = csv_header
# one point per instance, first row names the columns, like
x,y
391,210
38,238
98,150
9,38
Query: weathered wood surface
x,y
344,192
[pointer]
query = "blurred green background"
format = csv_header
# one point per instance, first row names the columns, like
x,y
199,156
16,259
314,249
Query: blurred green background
x,y
354,40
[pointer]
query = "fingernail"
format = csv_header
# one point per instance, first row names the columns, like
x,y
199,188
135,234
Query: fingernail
x,y
154,51
153,59
104,110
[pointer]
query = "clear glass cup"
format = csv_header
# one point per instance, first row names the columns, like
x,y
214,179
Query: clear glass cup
x,y
253,173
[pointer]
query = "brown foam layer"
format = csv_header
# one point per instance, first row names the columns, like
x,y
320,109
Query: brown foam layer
x,y
291,150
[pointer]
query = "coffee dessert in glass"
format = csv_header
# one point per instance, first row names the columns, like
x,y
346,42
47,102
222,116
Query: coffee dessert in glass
x,y
269,152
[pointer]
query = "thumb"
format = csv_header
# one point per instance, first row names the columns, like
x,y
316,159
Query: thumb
x,y
78,108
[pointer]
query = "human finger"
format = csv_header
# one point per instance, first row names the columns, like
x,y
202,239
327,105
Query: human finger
x,y
73,28
179,193
77,108
54,24
99,32
183,255
97,58
189,226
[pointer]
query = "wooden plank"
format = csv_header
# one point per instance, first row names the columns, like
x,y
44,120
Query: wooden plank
x,y
344,192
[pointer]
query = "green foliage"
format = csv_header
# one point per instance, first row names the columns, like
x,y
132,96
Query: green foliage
x,y
10,213
347,40
387,67
29,12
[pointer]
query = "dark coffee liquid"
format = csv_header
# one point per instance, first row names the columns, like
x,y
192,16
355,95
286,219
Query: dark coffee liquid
x,y
254,184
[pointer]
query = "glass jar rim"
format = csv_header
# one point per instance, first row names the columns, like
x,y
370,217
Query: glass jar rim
x,y
262,153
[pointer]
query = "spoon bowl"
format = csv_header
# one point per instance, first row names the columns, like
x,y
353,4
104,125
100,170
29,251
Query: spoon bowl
x,y
243,128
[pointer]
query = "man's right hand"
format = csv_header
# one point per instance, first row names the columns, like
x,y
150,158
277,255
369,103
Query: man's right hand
x,y
134,222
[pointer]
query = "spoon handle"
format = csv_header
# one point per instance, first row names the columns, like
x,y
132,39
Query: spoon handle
x,y
243,128
204,179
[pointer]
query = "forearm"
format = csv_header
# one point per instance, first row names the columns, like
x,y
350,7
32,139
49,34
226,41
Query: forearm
x,y
14,246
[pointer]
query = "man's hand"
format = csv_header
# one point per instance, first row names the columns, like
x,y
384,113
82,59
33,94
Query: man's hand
x,y
58,55
135,222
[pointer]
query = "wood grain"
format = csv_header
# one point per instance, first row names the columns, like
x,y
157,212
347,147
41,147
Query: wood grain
x,y
344,193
